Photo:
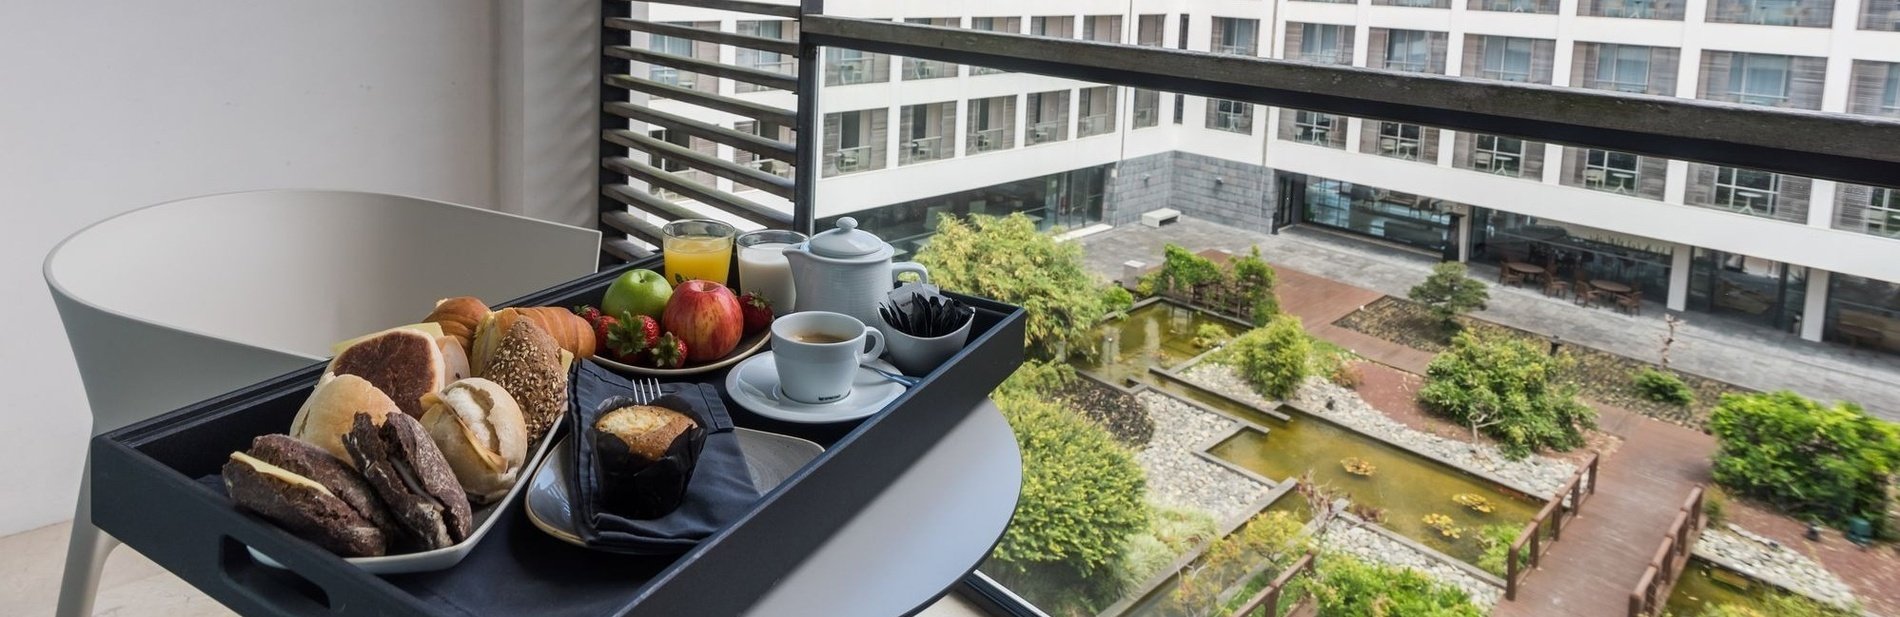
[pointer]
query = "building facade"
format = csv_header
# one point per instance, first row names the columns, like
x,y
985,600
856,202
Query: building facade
x,y
906,141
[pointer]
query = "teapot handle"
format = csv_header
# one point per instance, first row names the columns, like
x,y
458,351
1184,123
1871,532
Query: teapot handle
x,y
910,266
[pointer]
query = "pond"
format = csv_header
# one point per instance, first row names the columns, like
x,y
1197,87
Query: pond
x,y
1407,486
1704,584
1156,334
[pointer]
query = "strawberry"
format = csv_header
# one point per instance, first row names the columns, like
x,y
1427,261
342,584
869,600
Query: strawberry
x,y
631,336
589,313
669,353
604,327
757,312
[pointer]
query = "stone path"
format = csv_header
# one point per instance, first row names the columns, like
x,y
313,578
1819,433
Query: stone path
x,y
1177,476
1750,356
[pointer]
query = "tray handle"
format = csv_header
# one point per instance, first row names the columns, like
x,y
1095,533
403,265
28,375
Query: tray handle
x,y
274,590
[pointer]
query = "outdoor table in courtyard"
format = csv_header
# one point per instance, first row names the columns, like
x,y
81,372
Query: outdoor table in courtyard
x,y
1610,286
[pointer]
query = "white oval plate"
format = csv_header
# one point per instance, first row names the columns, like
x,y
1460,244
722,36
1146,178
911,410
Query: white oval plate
x,y
747,346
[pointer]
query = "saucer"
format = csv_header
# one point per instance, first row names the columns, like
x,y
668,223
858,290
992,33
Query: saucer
x,y
753,384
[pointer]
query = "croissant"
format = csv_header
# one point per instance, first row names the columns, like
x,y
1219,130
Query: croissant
x,y
569,330
460,317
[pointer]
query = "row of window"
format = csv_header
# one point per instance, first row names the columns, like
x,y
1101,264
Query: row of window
x,y
1874,14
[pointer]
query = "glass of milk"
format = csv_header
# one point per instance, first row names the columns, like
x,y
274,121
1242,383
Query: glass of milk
x,y
763,269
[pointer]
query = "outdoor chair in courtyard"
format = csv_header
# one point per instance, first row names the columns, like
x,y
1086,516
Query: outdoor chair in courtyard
x,y
1554,287
1631,302
1585,294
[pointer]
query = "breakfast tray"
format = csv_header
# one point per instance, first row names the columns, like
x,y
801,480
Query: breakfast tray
x,y
146,493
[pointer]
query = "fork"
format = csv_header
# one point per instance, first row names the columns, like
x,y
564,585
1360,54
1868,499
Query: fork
x,y
645,390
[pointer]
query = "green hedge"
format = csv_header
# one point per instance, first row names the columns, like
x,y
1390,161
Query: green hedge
x,y
1007,259
1829,463
1663,387
1273,358
1349,586
1507,388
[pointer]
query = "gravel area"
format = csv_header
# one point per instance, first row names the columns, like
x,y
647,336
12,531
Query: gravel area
x,y
1354,539
1738,549
1537,475
1177,477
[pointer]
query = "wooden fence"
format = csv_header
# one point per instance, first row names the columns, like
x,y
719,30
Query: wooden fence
x,y
1269,598
1652,590
1566,504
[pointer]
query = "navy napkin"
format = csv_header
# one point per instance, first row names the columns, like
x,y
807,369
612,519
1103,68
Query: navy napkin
x,y
719,492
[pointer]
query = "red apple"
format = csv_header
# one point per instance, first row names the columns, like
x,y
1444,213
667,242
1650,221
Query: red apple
x,y
706,316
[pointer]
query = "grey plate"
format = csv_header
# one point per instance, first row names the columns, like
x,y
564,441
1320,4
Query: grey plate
x,y
770,459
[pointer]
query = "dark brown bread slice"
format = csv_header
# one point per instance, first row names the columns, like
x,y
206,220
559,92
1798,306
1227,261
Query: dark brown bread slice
x,y
304,511
405,364
302,458
408,472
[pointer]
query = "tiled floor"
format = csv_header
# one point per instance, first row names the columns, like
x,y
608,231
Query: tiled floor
x,y
30,564
1709,346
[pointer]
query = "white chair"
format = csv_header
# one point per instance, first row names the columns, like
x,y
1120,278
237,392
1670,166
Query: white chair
x,y
176,303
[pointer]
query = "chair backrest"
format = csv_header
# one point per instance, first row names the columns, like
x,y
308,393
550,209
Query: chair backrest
x,y
181,301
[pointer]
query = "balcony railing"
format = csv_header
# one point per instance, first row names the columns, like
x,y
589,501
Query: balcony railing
x,y
1234,50
1146,116
1407,66
925,69
1313,134
990,140
1619,181
920,149
1328,56
672,76
1236,121
778,66
1045,132
1096,124
847,160
852,70
1399,147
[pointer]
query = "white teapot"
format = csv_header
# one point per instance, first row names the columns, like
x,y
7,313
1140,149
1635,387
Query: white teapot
x,y
846,270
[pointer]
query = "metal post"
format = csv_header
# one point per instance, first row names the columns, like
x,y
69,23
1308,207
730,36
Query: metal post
x,y
605,93
810,129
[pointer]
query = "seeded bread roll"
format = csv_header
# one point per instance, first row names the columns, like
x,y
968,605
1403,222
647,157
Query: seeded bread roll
x,y
528,364
309,493
411,476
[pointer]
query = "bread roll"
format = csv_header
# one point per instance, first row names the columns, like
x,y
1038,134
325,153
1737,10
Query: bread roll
x,y
327,414
311,494
404,363
479,429
455,365
528,364
410,475
460,317
568,330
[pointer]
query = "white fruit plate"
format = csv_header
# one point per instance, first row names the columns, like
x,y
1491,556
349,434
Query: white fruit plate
x,y
747,346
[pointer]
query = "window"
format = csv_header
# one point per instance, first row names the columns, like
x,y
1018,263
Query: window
x,y
1623,68
671,45
681,140
1235,36
1324,43
1883,212
1147,108
1607,170
1408,50
851,130
1233,116
1746,190
1061,26
993,24
1048,117
1313,127
1507,58
1890,96
1759,79
1098,111
1499,155
1400,140
990,122
848,66
1772,12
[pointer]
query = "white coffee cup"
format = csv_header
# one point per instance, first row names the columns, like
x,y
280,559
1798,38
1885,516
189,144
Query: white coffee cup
x,y
818,354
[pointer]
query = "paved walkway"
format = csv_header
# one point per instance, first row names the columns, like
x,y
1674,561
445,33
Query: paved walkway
x,y
1749,356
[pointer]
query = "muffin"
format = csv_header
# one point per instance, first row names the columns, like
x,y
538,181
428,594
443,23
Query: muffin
x,y
646,455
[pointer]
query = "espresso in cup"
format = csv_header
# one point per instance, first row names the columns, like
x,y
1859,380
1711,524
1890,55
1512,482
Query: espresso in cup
x,y
817,354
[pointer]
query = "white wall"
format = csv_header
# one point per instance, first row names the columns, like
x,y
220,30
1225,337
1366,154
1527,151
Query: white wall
x,y
115,104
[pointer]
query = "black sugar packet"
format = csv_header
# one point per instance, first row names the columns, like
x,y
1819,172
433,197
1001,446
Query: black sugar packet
x,y
717,489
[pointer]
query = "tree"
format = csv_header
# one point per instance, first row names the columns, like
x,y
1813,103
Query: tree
x,y
1832,463
1008,260
1274,357
1448,292
1506,388
1252,276
1272,537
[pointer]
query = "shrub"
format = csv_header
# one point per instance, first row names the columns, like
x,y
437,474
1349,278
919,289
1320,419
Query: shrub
x,y
1496,541
1336,364
1663,387
1349,586
1171,533
1274,357
1008,260
1830,463
1715,505
1448,292
1081,495
1253,276
1115,299
1508,389
1268,536
1210,335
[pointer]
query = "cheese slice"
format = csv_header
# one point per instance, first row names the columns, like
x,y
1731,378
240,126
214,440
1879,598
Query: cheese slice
x,y
280,473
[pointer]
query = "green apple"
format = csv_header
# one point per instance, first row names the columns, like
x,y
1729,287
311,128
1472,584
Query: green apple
x,y
638,292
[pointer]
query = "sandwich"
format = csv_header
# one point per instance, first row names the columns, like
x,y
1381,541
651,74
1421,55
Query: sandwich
x,y
479,428
310,493
410,475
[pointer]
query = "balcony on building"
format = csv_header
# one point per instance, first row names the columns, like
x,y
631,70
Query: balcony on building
x,y
1097,108
1540,7
1883,15
915,69
1412,51
1102,28
1235,36
992,124
1054,26
1667,10
1313,128
1635,69
1147,109
1013,25
1873,210
854,141
679,168
1752,192
686,48
778,132
1047,117
1799,13
845,67
1508,58
925,131
1424,4
1322,43
768,61
1230,116
1399,140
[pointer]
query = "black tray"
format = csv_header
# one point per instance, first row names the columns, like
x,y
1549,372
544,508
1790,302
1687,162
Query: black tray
x,y
144,494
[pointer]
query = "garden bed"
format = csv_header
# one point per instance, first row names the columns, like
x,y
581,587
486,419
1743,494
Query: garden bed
x,y
1599,375
1114,409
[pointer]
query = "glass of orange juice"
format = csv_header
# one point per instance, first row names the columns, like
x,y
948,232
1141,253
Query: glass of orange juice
x,y
697,249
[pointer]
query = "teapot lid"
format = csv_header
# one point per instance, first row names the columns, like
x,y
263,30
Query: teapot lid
x,y
846,241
